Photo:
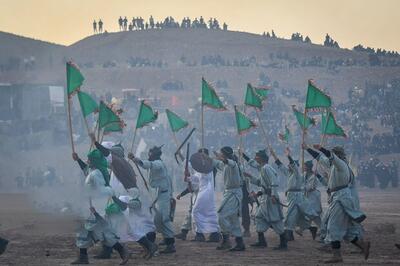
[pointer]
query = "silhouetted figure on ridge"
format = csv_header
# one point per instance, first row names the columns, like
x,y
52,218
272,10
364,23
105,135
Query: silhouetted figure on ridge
x,y
100,26
120,23
125,23
94,27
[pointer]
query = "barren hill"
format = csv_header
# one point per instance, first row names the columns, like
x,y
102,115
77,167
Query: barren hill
x,y
151,58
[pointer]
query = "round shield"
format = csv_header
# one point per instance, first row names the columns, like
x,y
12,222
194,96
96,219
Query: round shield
x,y
201,163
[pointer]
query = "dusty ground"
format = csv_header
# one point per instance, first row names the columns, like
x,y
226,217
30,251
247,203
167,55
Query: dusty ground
x,y
44,239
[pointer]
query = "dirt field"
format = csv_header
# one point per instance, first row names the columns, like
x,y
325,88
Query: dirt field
x,y
44,239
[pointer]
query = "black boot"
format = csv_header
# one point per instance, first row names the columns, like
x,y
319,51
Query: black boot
x,y
163,242
214,237
149,246
122,253
225,244
261,243
313,230
3,245
289,235
282,242
182,235
104,254
199,237
82,258
239,245
170,248
151,236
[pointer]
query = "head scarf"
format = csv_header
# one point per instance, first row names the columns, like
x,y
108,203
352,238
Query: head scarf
x,y
118,150
155,153
339,152
263,155
309,165
227,152
98,161
204,150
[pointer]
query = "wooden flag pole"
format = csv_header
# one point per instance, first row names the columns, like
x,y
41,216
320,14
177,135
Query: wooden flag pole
x,y
323,139
202,125
137,166
133,140
303,140
70,123
262,128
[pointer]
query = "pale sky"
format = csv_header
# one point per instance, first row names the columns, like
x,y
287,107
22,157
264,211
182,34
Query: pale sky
x,y
374,23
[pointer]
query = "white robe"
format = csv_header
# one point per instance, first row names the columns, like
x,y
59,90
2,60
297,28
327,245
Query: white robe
x,y
136,221
204,211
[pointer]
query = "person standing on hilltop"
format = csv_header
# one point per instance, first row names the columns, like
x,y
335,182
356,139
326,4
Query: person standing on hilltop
x,y
151,22
120,21
125,23
100,26
94,27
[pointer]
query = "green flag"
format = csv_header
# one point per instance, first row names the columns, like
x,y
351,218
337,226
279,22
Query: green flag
x,y
252,98
74,78
330,127
304,123
209,97
262,92
88,105
284,137
107,116
316,99
243,123
175,121
113,127
146,115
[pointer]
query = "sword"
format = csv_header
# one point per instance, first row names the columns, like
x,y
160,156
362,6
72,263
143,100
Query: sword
x,y
176,154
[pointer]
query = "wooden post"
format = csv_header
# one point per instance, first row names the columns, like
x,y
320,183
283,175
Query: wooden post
x,y
70,123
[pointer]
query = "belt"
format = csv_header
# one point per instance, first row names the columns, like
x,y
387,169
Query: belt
x,y
338,188
163,191
294,190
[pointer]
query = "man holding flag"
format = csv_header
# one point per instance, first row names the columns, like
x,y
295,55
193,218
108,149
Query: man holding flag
x,y
96,227
160,180
343,217
297,214
269,210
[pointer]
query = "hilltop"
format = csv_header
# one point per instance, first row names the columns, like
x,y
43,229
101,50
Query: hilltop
x,y
176,59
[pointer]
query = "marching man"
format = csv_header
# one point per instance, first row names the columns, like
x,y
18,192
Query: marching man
x,y
229,210
269,210
96,227
160,180
131,219
343,217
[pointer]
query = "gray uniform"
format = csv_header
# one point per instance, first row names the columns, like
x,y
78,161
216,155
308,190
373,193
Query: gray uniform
x,y
342,211
313,196
229,210
160,180
96,229
268,214
298,213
